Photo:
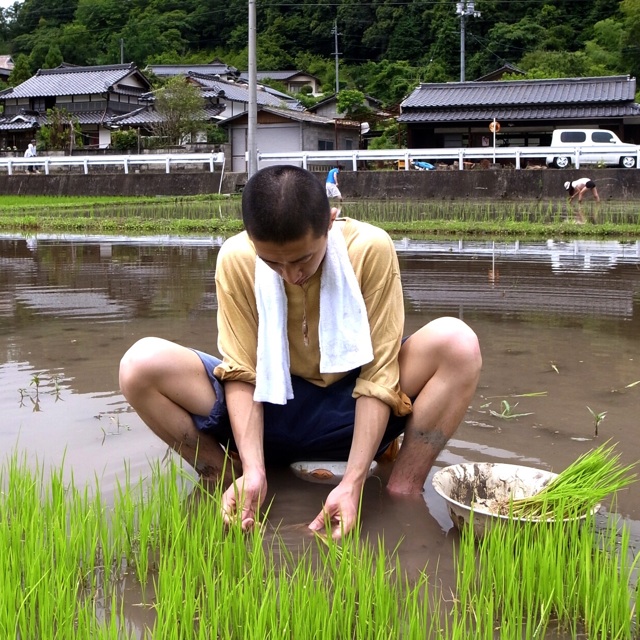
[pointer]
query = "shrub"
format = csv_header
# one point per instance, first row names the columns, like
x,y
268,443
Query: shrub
x,y
124,139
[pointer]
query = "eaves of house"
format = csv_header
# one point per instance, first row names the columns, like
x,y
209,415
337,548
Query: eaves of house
x,y
24,122
145,116
563,98
290,114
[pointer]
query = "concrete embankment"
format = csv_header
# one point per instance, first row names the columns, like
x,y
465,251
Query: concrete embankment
x,y
499,184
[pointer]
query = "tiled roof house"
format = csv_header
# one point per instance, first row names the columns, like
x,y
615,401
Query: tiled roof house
x,y
6,67
294,81
457,114
91,94
213,68
235,95
221,100
282,130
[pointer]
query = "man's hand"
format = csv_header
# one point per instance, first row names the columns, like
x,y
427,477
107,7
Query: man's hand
x,y
340,510
243,499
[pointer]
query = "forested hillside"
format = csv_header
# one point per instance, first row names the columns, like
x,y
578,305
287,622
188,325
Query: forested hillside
x,y
385,46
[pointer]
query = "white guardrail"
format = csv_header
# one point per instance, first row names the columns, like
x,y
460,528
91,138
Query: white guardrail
x,y
45,163
459,155
215,161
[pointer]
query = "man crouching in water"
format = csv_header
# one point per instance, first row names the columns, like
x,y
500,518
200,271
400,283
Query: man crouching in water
x,y
314,365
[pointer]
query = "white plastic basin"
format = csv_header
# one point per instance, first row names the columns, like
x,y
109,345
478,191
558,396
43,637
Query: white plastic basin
x,y
466,487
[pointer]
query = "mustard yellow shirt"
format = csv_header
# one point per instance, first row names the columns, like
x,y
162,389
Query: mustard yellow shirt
x,y
375,263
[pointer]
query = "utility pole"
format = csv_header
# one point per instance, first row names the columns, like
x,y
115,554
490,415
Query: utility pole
x,y
252,112
334,31
464,9
121,50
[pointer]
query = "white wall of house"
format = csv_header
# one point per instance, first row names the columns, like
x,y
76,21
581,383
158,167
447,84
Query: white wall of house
x,y
327,110
282,137
238,138
272,138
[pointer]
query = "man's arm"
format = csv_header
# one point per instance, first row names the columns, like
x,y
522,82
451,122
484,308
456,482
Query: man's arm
x,y
243,498
341,506
377,389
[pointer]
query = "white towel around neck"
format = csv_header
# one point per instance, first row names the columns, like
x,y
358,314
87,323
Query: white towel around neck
x,y
344,334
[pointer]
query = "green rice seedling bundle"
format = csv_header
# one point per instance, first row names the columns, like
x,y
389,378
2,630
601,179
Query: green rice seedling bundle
x,y
579,488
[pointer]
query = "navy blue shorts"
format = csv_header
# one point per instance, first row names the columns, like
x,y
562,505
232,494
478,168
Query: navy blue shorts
x,y
317,424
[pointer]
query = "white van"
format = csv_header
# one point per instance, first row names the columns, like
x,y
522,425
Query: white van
x,y
600,147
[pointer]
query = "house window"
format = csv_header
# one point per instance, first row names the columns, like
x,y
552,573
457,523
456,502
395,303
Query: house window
x,y
348,144
325,145
42,104
296,87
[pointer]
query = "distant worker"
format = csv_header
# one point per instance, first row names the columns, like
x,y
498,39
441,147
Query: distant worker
x,y
580,187
31,152
332,183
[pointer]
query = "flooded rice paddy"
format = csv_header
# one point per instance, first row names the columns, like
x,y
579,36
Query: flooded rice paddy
x,y
558,322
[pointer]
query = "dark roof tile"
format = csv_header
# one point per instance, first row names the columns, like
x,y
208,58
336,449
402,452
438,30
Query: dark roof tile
x,y
486,114
521,92
69,80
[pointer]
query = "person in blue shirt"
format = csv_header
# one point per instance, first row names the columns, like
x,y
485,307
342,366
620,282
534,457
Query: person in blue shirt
x,y
332,183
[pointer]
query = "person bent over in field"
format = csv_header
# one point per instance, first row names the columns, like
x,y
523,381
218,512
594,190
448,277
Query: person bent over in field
x,y
314,365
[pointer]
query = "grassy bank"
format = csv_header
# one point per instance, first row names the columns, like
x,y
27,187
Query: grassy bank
x,y
221,215
75,567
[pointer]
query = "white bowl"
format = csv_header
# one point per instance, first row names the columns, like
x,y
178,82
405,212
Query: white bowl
x,y
465,487
329,472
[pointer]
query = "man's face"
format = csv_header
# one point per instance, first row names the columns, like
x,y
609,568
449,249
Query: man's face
x,y
295,261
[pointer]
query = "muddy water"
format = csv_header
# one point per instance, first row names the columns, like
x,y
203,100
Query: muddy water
x,y
558,320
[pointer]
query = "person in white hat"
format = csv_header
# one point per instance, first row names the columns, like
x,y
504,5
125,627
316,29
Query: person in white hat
x,y
580,187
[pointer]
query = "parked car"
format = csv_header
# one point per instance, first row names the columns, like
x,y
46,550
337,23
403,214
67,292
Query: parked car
x,y
600,147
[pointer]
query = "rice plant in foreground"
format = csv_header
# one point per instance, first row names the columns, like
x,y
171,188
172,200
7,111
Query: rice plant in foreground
x,y
67,555
537,580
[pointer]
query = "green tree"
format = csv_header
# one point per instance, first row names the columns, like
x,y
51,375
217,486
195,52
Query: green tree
x,y
61,132
40,48
351,103
631,40
21,71
387,81
78,44
54,57
604,52
124,139
392,137
554,64
180,105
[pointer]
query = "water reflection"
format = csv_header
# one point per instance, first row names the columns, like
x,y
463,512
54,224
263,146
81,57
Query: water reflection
x,y
558,319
